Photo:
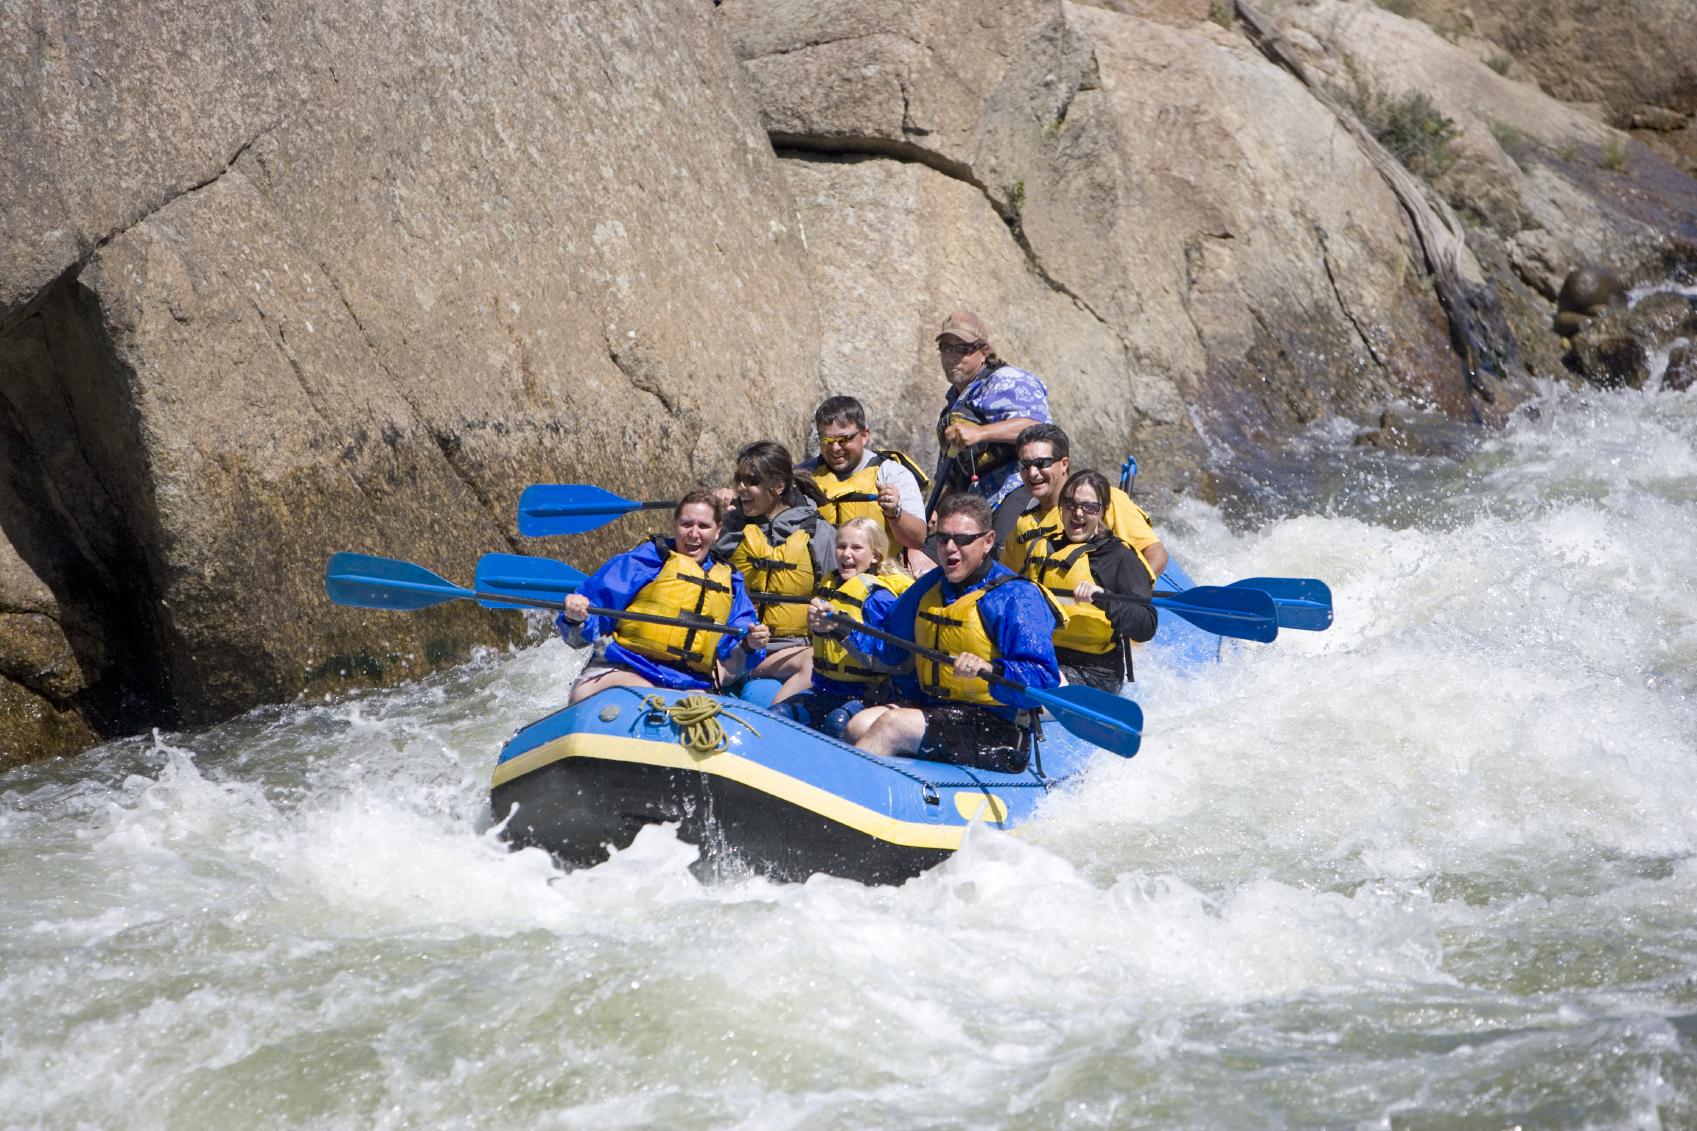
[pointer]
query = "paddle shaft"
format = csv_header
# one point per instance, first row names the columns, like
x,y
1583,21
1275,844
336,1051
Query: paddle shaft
x,y
932,654
567,510
1174,601
456,593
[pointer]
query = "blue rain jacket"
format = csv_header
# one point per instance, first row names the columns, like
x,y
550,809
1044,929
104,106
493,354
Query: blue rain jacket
x,y
1018,620
616,584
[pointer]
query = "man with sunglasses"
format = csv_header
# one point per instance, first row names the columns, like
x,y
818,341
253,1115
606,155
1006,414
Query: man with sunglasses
x,y
991,621
860,482
1031,513
989,404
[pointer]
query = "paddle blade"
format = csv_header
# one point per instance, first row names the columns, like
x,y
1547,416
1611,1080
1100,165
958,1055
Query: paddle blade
x,y
365,582
1244,614
523,576
1095,716
1302,602
550,508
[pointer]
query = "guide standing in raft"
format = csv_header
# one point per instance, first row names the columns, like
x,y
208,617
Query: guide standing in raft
x,y
989,404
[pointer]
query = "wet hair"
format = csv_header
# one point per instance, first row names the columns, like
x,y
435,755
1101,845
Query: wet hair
x,y
882,564
967,504
841,410
770,463
1087,477
1045,434
701,495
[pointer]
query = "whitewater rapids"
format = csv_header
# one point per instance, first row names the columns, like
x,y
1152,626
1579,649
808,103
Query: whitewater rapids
x,y
1436,867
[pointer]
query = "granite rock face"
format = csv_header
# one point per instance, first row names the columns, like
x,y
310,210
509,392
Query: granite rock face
x,y
285,279
280,279
1631,57
1246,269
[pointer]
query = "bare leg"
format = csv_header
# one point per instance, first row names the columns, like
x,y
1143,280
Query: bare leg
x,y
899,730
584,688
862,722
793,665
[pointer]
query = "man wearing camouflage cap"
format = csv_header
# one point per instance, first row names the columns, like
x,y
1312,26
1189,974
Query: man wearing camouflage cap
x,y
989,404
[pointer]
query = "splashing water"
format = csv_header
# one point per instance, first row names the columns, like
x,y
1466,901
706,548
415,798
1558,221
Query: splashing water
x,y
1436,867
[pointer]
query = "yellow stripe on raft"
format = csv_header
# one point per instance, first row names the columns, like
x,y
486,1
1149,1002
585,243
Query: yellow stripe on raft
x,y
734,767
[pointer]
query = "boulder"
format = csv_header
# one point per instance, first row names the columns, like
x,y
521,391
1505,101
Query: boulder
x,y
1618,347
40,675
1681,372
286,279
1622,55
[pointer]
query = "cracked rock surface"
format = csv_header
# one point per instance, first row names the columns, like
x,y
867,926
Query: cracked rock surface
x,y
281,280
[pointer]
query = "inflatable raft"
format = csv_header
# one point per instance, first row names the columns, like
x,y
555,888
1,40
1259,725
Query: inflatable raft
x,y
779,798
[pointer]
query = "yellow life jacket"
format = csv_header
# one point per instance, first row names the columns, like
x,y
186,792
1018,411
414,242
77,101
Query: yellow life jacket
x,y
1059,569
785,569
831,657
682,588
1124,519
856,496
956,628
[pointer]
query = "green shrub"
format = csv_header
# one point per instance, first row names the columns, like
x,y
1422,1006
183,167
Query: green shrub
x,y
1222,12
1614,154
1403,8
1412,128
1500,63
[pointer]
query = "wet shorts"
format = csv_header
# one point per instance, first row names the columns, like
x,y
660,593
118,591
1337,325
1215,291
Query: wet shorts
x,y
965,734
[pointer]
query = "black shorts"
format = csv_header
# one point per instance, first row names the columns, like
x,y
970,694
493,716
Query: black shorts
x,y
965,734
1102,679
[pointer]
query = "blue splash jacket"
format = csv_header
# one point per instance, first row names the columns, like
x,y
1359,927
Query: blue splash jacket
x,y
616,583
1017,619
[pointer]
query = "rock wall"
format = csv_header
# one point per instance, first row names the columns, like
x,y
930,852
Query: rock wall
x,y
1246,269
287,278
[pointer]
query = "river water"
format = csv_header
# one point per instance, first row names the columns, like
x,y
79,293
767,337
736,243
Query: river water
x,y
1434,868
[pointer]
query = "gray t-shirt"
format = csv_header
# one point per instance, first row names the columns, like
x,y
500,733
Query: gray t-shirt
x,y
890,471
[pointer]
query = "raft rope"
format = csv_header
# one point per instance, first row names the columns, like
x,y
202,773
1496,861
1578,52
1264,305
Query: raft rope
x,y
696,718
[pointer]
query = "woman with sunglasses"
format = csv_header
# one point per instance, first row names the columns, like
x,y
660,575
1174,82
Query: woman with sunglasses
x,y
776,539
671,578
1076,564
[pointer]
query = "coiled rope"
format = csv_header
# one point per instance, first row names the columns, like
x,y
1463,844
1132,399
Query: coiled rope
x,y
696,718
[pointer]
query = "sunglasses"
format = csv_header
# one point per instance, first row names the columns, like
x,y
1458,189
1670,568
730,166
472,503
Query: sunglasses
x,y
1075,505
746,481
961,540
1042,463
958,349
836,441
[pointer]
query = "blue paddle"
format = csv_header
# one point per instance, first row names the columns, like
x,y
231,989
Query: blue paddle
x,y
1244,614
365,582
1095,716
553,508
1302,602
523,576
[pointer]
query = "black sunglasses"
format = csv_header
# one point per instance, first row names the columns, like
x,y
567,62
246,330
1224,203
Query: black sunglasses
x,y
961,540
959,350
1042,463
1075,505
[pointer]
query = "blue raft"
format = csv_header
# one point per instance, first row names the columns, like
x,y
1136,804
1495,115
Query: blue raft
x,y
779,798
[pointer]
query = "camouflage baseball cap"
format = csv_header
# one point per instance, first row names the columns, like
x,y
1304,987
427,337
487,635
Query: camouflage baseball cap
x,y
966,326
